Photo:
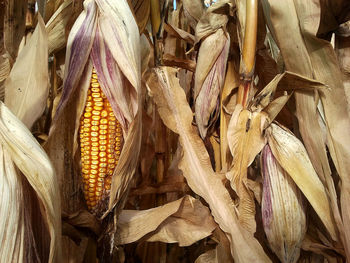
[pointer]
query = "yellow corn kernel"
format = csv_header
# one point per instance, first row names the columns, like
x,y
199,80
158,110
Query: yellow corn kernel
x,y
100,144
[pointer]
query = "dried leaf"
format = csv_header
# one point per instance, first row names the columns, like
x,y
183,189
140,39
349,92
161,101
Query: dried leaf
x,y
56,26
245,139
195,164
283,209
179,33
209,78
183,221
26,89
33,162
193,10
285,26
292,156
142,12
326,69
215,17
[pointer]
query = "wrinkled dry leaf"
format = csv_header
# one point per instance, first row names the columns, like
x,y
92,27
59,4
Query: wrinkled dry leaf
x,y
231,83
56,26
11,207
326,69
179,33
27,87
141,10
209,78
193,10
283,209
292,156
33,162
177,115
283,21
245,139
215,17
183,221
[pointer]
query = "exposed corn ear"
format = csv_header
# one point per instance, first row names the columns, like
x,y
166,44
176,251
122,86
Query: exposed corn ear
x,y
100,144
283,210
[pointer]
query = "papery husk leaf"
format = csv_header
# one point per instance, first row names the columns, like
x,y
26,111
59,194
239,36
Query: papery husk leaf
x,y
183,221
79,45
35,165
27,87
276,106
177,115
193,10
215,17
326,69
342,49
245,139
287,81
221,253
209,78
284,24
292,156
127,164
121,35
62,144
12,230
142,12
179,33
283,209
56,26
231,83
113,83
207,257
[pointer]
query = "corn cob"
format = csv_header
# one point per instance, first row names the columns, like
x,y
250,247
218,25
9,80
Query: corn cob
x,y
100,144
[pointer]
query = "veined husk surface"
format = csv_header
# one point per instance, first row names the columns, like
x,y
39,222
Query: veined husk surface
x,y
283,209
30,202
105,37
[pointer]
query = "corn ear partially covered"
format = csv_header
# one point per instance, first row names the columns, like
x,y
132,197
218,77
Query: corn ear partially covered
x,y
292,156
103,78
211,65
100,144
283,209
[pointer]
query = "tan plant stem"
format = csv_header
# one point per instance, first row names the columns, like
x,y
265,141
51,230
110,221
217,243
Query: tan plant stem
x,y
160,132
156,22
248,52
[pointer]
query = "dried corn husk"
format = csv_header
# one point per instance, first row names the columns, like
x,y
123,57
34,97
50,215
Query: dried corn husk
x,y
105,36
211,64
283,209
26,94
183,221
209,79
195,164
20,149
291,154
27,87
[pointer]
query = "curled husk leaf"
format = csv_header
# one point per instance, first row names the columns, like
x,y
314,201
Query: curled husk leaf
x,y
283,209
291,154
105,37
209,78
18,148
